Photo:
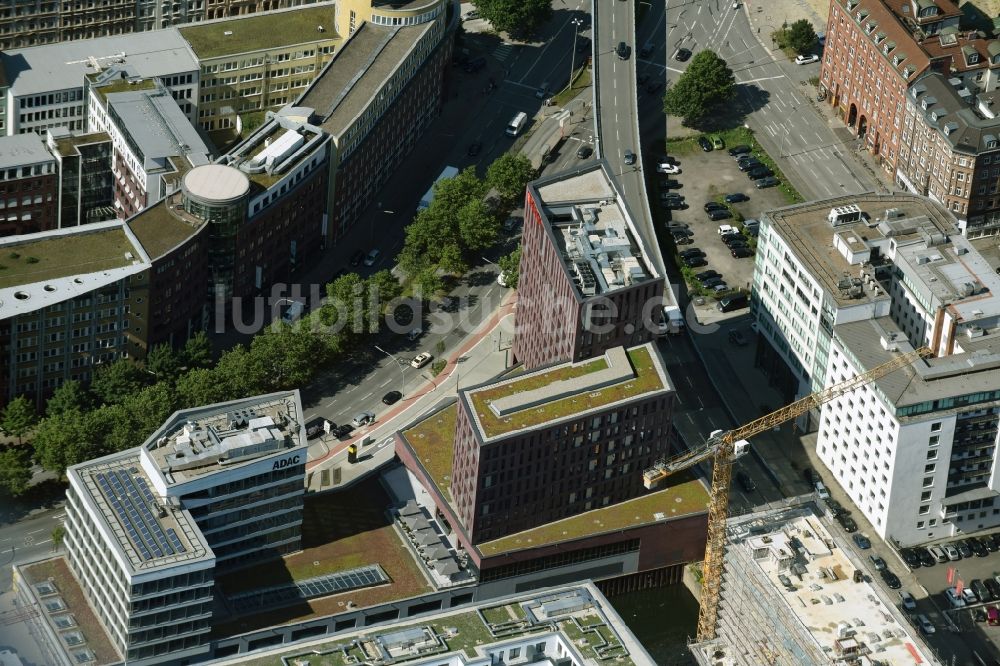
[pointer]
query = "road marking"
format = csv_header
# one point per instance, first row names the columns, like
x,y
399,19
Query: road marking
x,y
367,395
803,140
763,78
700,402
385,383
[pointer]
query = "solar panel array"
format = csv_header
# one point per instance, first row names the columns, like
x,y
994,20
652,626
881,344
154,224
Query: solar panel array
x,y
308,589
131,498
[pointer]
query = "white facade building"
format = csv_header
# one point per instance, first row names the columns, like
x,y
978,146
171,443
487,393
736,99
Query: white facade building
x,y
915,450
147,528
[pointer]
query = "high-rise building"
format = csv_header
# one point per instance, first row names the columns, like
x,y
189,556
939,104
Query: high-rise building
x,y
841,286
86,184
586,282
147,529
28,186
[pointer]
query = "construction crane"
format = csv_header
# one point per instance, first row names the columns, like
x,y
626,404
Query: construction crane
x,y
724,447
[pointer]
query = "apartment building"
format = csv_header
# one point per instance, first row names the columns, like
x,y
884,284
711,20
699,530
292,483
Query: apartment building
x,y
154,142
587,282
254,64
838,291
26,23
28,186
148,528
86,184
874,52
45,84
949,149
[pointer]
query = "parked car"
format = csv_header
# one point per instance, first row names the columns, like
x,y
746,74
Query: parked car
x,y
937,552
670,184
741,252
926,559
666,167
673,204
907,601
969,596
695,262
862,542
317,427
993,586
717,142
766,181
584,152
692,252
963,548
719,214
951,552
978,547
891,580
910,557
421,359
705,144
759,172
629,157
954,599
823,493
372,258
713,205
682,239
675,226
344,430
357,258
705,275
708,283
734,240
878,562
982,591
736,151
806,59
847,523
809,474
666,196
362,419
747,165
682,55
736,197
992,542
746,482
925,624
391,397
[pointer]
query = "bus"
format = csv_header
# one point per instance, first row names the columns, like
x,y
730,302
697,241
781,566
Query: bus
x,y
425,201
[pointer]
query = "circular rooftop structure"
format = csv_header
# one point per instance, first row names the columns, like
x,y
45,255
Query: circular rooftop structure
x,y
216,184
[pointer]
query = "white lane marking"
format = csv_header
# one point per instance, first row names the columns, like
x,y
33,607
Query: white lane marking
x,y
763,78
367,395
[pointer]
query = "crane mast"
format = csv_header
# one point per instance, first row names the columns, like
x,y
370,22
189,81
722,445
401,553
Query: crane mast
x,y
724,448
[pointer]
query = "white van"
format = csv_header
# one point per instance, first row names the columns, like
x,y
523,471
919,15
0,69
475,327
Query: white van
x,y
926,626
516,124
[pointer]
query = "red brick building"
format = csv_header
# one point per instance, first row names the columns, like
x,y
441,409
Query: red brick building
x,y
29,182
585,283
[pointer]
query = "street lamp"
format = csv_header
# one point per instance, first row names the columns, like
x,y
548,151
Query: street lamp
x,y
400,365
576,23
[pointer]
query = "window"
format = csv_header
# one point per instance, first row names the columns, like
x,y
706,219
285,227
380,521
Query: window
x,y
929,469
932,454
925,509
934,440
925,496
920,524
935,427
928,481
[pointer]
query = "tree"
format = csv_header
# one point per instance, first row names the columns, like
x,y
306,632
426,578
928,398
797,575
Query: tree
x,y
236,374
799,36
510,265
197,352
18,417
67,439
15,470
519,18
163,362
69,396
508,175
113,383
200,386
478,226
58,534
705,85
287,357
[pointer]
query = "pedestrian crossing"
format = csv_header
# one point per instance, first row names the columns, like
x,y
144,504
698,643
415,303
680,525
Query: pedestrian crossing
x,y
504,51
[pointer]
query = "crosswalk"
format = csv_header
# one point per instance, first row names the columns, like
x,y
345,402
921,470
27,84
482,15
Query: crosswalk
x,y
504,51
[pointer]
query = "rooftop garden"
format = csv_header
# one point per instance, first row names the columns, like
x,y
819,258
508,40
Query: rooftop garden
x,y
433,442
255,33
63,256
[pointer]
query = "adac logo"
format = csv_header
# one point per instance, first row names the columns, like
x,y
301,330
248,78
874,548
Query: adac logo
x,y
287,462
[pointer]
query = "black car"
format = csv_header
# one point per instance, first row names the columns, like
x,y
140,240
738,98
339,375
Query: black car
x,y
749,164
344,430
926,559
674,227
736,197
810,476
705,144
710,283
963,549
713,205
746,482
474,148
863,542
766,181
357,257
672,195
695,262
911,557
847,523
704,275
681,239
584,152
891,579
691,252
834,506
391,397
978,547
682,55
317,427
670,184
992,542
736,151
673,204
719,214
759,172
879,563
733,240
993,586
741,252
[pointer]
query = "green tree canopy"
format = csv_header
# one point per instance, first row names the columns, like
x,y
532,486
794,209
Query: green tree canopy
x,y
508,175
113,383
197,352
18,417
69,396
800,36
164,362
701,89
200,386
15,470
286,357
68,438
518,18
478,225
510,264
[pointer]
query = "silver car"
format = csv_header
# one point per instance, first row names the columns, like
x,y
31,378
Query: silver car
x,y
363,419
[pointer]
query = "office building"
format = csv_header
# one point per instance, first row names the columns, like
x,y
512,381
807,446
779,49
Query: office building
x,y
789,598
874,52
86,183
28,186
587,283
147,529
843,285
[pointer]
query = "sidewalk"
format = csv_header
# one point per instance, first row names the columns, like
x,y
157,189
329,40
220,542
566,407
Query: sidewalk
x,y
476,360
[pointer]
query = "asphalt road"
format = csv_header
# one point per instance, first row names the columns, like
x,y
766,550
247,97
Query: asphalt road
x,y
26,540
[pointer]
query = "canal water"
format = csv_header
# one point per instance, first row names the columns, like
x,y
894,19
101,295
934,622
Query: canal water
x,y
662,619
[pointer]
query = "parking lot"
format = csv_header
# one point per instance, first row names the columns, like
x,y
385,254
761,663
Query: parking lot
x,y
708,177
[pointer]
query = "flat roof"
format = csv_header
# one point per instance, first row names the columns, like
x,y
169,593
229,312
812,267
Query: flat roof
x,y
346,86
159,230
23,150
589,223
816,242
576,621
69,145
51,67
275,148
53,266
158,127
774,544
567,390
266,30
151,531
685,496
197,442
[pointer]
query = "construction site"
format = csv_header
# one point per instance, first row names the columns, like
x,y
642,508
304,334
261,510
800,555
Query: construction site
x,y
792,595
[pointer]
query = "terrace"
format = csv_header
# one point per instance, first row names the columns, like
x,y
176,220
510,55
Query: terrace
x,y
432,441
257,33
62,256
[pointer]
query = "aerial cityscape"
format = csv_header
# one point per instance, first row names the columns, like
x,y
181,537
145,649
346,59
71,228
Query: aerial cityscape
x,y
469,333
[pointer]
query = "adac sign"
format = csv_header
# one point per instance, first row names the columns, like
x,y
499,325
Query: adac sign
x,y
287,462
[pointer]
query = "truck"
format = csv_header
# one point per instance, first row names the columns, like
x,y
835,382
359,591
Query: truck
x,y
425,201
516,124
672,321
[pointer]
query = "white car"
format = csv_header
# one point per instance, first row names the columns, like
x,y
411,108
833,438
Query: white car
x,y
926,625
951,552
907,601
666,167
725,230
806,59
502,279
821,491
422,359
954,599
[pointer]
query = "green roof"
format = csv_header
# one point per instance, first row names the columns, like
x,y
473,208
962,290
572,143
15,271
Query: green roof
x,y
255,33
123,85
646,379
432,440
159,230
686,495
63,256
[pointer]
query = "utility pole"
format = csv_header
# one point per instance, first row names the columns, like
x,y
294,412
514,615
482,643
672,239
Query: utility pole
x,y
576,23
